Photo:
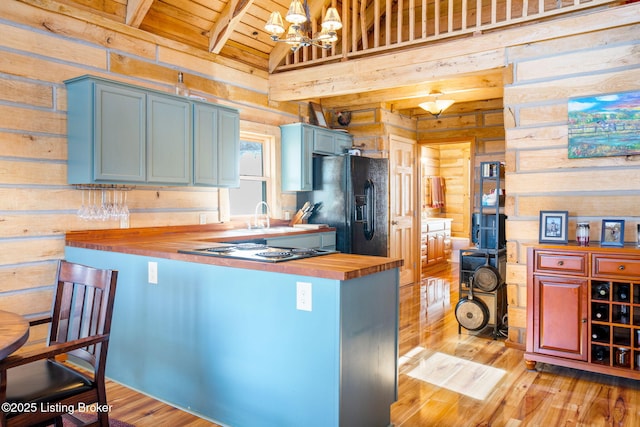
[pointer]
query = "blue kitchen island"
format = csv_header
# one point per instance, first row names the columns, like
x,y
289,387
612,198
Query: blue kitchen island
x,y
230,341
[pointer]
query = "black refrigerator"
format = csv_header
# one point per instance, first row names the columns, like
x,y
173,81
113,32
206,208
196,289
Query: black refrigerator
x,y
351,194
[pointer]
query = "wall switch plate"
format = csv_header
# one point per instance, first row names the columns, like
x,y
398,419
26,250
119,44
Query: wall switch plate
x,y
203,218
153,273
303,296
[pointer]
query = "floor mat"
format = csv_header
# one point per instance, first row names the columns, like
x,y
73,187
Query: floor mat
x,y
459,375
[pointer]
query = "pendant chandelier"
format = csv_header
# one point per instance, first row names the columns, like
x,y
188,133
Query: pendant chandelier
x,y
437,106
298,34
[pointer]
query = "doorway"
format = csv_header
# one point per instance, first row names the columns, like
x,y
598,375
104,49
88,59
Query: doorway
x,y
450,162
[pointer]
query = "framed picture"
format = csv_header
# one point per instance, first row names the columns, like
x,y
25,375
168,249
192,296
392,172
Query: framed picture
x,y
553,226
604,125
612,232
316,115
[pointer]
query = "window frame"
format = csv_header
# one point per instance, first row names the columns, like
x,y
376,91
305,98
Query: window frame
x,y
268,176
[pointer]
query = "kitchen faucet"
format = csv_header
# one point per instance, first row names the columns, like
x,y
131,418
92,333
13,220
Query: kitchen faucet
x,y
255,216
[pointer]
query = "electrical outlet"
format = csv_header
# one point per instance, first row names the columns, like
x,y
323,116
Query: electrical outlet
x,y
303,296
203,218
153,273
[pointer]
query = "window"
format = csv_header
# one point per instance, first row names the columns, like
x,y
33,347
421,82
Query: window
x,y
254,175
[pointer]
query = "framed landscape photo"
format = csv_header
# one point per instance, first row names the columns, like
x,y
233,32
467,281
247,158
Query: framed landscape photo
x,y
612,232
553,226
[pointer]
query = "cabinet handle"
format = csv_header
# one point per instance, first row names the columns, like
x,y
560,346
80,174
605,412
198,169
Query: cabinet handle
x,y
560,263
394,222
621,267
584,320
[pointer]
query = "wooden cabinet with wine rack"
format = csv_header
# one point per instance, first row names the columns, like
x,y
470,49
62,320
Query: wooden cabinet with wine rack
x,y
583,308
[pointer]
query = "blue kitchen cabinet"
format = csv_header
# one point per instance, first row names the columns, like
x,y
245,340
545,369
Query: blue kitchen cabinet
x,y
300,141
123,134
106,132
320,240
216,146
297,157
230,344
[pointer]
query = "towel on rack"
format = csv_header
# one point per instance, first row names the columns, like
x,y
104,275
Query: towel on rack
x,y
437,192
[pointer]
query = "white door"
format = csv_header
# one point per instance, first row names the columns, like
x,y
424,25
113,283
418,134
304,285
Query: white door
x,y
403,235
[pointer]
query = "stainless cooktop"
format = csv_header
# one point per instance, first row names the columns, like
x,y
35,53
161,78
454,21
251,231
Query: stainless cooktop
x,y
256,252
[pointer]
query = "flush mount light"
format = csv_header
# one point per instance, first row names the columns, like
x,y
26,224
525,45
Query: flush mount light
x,y
437,106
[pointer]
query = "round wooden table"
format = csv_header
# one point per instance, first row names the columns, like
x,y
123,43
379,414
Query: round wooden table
x,y
14,332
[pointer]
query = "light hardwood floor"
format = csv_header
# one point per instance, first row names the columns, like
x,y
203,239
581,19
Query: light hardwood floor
x,y
548,396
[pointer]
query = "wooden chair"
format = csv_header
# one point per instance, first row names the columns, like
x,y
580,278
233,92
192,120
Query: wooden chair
x,y
33,380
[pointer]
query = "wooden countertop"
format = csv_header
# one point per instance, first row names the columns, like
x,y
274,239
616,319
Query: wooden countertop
x,y
164,242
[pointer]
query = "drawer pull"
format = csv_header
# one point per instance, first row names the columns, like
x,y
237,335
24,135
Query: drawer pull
x,y
621,267
560,263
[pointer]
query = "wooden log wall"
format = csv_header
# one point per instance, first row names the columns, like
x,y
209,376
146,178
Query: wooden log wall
x,y
539,174
40,48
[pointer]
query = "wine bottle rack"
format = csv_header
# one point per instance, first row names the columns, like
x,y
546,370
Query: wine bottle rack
x,y
615,323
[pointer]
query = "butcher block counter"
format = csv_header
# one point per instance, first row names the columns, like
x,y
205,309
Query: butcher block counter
x,y
309,342
165,242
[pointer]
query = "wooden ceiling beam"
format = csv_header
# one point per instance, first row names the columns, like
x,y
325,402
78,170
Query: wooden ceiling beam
x,y
413,67
409,96
136,11
226,24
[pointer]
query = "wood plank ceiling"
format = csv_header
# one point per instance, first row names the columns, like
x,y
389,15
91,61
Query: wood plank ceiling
x,y
234,30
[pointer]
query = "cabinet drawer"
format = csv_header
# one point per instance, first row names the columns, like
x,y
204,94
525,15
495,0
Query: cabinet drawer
x,y
616,266
573,263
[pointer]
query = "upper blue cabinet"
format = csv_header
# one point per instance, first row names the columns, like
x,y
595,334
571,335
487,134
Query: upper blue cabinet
x,y
300,141
122,134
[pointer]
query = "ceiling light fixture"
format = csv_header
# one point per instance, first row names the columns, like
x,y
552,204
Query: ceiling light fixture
x,y
437,106
299,32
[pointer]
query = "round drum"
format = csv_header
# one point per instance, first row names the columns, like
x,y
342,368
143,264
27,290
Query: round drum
x,y
472,314
486,278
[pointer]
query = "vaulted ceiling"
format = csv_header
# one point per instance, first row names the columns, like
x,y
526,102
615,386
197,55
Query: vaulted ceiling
x,y
235,29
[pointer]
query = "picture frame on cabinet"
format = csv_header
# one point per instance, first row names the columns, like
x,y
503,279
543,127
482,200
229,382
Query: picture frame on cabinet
x,y
612,232
553,226
316,115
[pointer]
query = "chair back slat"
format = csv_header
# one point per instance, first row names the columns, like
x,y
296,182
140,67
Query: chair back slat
x,y
81,306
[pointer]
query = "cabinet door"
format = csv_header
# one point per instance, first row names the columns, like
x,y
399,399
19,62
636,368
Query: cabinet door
x,y
297,158
431,248
169,140
119,137
440,246
205,145
228,148
560,317
323,142
216,146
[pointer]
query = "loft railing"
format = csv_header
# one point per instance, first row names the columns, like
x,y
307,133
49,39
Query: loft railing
x,y
375,26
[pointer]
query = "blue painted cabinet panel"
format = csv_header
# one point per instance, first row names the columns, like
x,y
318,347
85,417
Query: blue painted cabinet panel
x,y
216,146
106,133
230,345
297,157
169,140
124,134
300,141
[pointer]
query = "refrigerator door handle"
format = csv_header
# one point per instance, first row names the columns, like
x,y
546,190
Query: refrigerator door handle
x,y
370,197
